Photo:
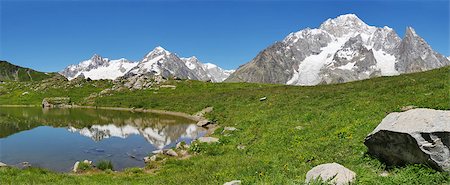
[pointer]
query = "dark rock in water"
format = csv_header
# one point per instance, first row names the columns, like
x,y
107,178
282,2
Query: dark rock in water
x,y
417,136
203,123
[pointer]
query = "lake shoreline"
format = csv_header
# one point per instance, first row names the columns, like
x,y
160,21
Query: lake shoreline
x,y
156,111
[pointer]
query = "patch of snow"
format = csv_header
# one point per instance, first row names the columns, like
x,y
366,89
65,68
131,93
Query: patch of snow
x,y
385,62
309,68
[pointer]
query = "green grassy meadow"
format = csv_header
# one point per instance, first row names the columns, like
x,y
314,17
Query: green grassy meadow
x,y
295,129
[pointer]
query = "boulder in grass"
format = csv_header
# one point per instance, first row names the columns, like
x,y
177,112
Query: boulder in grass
x,y
333,173
234,182
417,136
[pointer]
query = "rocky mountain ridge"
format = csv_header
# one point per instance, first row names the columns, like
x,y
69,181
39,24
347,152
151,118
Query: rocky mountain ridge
x,y
158,62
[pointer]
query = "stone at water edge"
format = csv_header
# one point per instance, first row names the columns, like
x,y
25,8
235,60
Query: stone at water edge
x,y
417,136
234,182
181,145
204,111
75,166
333,172
171,152
203,123
87,162
150,159
3,165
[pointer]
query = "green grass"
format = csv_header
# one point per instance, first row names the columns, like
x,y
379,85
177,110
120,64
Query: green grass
x,y
104,165
334,121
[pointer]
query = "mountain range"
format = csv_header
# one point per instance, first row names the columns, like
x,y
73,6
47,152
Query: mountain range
x,y
342,49
157,62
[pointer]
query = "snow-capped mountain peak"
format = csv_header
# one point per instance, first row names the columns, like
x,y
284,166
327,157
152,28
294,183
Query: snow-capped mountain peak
x,y
158,51
342,49
346,24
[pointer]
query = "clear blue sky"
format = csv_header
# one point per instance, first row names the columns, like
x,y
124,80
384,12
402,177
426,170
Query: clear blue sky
x,y
49,35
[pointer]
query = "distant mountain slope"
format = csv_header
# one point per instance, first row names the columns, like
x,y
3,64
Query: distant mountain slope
x,y
157,62
341,50
11,72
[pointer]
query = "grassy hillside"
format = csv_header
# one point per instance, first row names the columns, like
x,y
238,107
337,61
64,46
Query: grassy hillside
x,y
10,72
295,129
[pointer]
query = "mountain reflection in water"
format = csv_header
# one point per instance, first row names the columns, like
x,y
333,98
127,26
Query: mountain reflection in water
x,y
57,138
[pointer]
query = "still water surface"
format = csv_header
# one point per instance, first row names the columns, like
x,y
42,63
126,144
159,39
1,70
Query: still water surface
x,y
56,138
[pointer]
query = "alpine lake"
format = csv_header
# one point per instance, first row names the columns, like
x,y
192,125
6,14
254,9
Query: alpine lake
x,y
55,138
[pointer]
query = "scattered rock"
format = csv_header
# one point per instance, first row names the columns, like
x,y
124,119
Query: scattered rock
x,y
241,147
384,174
87,162
150,159
75,166
203,123
26,164
299,128
229,129
406,108
153,157
204,111
184,153
263,98
146,159
168,86
181,145
158,152
234,182
332,172
208,140
3,165
418,136
171,152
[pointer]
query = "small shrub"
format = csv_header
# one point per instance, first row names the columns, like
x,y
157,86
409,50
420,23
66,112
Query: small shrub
x,y
105,165
84,166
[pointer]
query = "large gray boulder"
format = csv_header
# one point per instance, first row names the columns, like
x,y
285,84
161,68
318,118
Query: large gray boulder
x,y
419,136
331,172
56,102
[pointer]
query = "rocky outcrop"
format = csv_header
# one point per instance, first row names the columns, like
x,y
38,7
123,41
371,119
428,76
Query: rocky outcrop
x,y
331,172
56,102
420,136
